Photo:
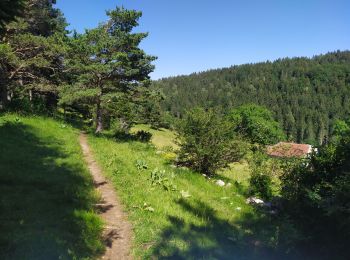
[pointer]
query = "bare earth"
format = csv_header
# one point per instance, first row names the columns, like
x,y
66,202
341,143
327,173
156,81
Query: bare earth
x,y
118,231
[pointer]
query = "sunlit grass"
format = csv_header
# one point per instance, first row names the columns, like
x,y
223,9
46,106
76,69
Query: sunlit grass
x,y
163,138
160,137
187,215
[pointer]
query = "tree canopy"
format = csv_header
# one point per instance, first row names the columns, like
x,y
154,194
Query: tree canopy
x,y
256,124
109,64
32,50
306,95
9,9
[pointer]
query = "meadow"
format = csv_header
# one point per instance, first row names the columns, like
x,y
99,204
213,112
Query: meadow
x,y
177,213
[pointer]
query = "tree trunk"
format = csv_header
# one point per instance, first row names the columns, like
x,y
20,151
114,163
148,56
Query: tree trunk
x,y
99,123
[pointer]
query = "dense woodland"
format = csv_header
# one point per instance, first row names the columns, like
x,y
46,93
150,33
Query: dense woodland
x,y
305,95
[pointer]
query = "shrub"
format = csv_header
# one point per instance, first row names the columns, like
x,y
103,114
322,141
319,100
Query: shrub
x,y
260,185
207,142
317,195
262,170
169,156
143,136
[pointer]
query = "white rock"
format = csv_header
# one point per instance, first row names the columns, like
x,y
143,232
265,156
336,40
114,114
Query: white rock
x,y
220,183
228,184
253,200
238,208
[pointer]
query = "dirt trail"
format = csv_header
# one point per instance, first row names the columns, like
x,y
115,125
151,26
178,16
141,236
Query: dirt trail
x,y
118,231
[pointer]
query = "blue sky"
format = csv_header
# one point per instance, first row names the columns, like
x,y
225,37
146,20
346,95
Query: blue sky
x,y
196,35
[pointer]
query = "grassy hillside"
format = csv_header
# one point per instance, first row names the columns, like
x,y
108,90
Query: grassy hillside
x,y
46,192
180,214
161,138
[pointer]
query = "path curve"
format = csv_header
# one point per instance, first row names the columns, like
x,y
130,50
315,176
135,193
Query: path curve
x,y
118,231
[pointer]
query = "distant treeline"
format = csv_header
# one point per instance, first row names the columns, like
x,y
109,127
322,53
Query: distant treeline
x,y
306,95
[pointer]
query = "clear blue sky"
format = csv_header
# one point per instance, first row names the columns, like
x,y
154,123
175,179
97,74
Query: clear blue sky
x,y
196,35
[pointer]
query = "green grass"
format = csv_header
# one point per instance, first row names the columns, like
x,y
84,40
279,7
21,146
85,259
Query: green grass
x,y
164,138
46,192
161,138
238,171
213,223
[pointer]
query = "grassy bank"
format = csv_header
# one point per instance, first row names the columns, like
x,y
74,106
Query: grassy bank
x,y
46,192
161,138
177,213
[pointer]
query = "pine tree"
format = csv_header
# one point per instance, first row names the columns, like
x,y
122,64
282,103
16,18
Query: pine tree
x,y
9,9
31,52
109,64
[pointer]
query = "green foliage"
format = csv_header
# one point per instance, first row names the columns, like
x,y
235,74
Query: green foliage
x,y
260,185
207,142
110,67
341,127
256,124
160,177
305,95
151,112
31,56
141,165
9,9
143,136
318,192
263,170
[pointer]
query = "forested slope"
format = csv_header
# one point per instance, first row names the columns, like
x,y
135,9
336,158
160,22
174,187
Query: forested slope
x,y
306,95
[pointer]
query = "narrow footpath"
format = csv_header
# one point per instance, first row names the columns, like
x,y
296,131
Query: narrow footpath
x,y
118,231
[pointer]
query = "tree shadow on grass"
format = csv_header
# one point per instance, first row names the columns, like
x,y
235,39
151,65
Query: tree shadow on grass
x,y
215,238
43,198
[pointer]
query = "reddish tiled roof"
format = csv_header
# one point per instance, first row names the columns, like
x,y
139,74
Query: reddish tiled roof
x,y
289,150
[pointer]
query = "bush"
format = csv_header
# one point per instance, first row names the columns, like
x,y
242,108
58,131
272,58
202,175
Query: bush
x,y
317,195
207,142
262,170
169,156
143,136
260,185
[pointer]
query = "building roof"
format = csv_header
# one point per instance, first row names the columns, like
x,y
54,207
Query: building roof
x,y
289,150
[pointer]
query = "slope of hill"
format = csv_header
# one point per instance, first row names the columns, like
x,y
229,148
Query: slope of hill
x,y
179,214
46,192
306,95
